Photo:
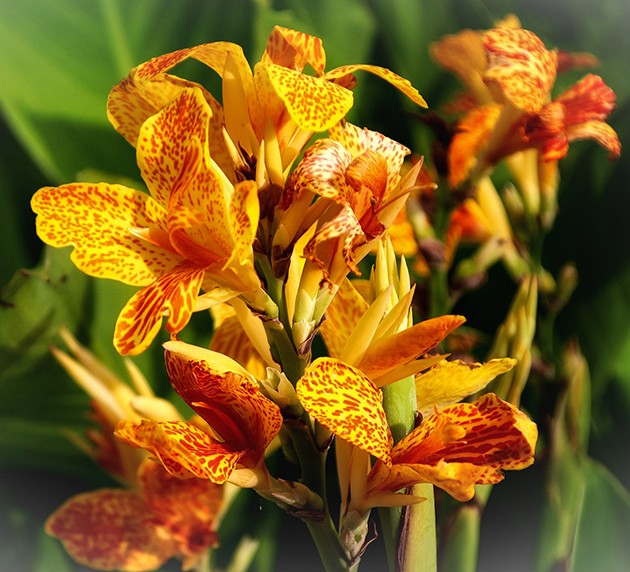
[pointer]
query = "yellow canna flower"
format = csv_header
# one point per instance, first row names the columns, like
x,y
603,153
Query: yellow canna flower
x,y
194,231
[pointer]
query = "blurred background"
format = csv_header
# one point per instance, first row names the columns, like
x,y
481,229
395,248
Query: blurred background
x,y
59,60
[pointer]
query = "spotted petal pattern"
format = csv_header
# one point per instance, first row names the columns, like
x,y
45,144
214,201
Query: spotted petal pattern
x,y
463,445
347,403
109,529
229,401
184,450
293,50
520,66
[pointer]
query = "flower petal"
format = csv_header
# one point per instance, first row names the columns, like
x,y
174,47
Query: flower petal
x,y
173,294
292,49
342,315
229,401
347,403
109,529
600,132
391,352
185,509
313,103
520,66
184,450
99,220
450,381
400,83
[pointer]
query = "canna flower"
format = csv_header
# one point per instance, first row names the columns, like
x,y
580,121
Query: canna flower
x,y
238,421
155,517
355,175
193,232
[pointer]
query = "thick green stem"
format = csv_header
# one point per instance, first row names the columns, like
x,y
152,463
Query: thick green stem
x,y
419,551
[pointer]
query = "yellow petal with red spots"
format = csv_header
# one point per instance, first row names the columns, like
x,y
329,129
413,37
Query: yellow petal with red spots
x,y
520,67
391,352
347,403
292,49
342,315
473,133
184,450
109,529
229,401
482,439
173,294
244,213
450,381
164,150
313,103
101,221
184,509
599,132
400,83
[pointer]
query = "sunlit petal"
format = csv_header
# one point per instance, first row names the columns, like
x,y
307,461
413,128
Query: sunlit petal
x,y
293,50
347,403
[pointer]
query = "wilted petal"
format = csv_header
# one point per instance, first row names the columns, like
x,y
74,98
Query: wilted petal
x,y
185,509
100,220
520,67
347,403
109,529
391,352
450,381
173,294
292,49
184,450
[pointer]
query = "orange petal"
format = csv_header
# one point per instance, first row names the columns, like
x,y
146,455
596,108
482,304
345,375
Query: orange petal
x,y
292,49
230,402
347,403
400,83
184,450
185,509
99,219
391,352
520,67
164,143
173,294
342,316
600,132
481,439
109,529
313,103
450,381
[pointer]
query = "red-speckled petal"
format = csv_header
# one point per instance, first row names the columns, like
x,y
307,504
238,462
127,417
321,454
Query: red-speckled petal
x,y
342,315
450,381
489,434
164,142
473,132
109,529
322,170
388,353
520,67
347,403
400,83
313,103
292,49
463,55
173,294
599,132
357,141
184,450
244,213
100,220
184,509
230,402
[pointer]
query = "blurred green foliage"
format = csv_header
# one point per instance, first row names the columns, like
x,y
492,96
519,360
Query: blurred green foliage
x,y
61,58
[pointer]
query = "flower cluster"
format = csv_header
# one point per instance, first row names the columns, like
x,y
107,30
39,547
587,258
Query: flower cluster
x,y
245,217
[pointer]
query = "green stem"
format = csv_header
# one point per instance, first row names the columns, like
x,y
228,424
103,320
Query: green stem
x,y
419,552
